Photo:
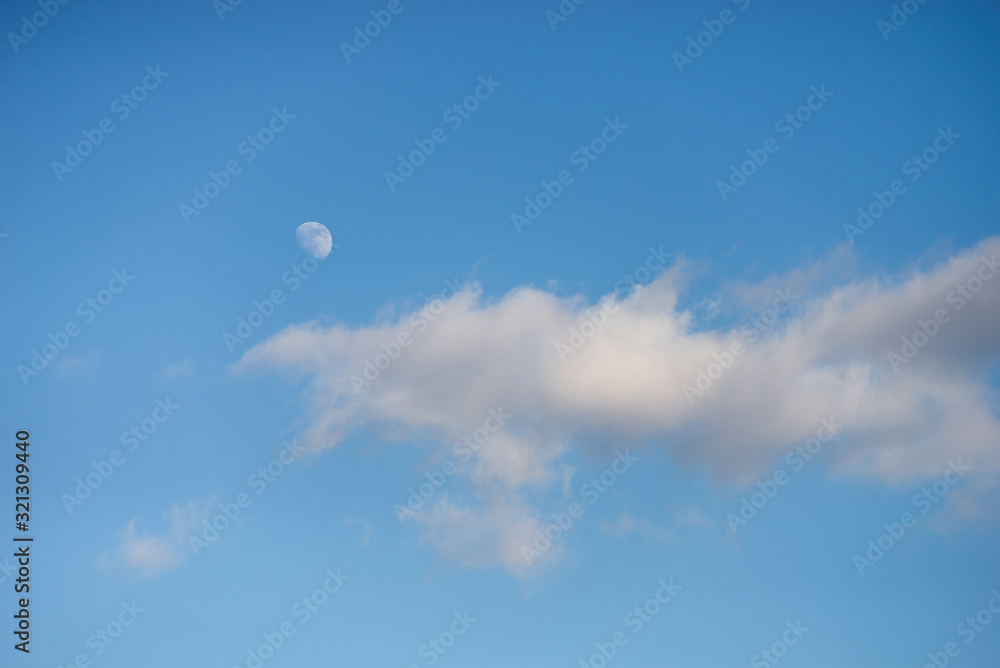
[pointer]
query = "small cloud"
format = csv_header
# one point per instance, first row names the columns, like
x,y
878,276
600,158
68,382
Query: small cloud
x,y
710,307
369,532
146,555
625,525
494,531
694,518
177,370
74,364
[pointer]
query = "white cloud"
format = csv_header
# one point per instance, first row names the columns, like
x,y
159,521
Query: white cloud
x,y
145,554
178,369
490,532
368,530
828,357
626,525
692,517
70,365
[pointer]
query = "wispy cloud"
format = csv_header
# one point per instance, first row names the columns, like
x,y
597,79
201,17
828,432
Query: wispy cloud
x,y
77,364
178,369
626,525
144,554
368,530
692,517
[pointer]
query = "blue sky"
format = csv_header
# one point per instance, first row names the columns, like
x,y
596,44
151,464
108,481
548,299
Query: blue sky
x,y
641,205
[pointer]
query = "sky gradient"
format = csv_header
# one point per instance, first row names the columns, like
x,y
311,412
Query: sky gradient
x,y
612,348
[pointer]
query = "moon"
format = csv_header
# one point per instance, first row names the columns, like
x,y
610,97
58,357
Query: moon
x,y
315,239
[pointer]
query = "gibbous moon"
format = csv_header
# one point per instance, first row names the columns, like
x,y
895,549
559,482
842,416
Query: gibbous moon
x,y
315,239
